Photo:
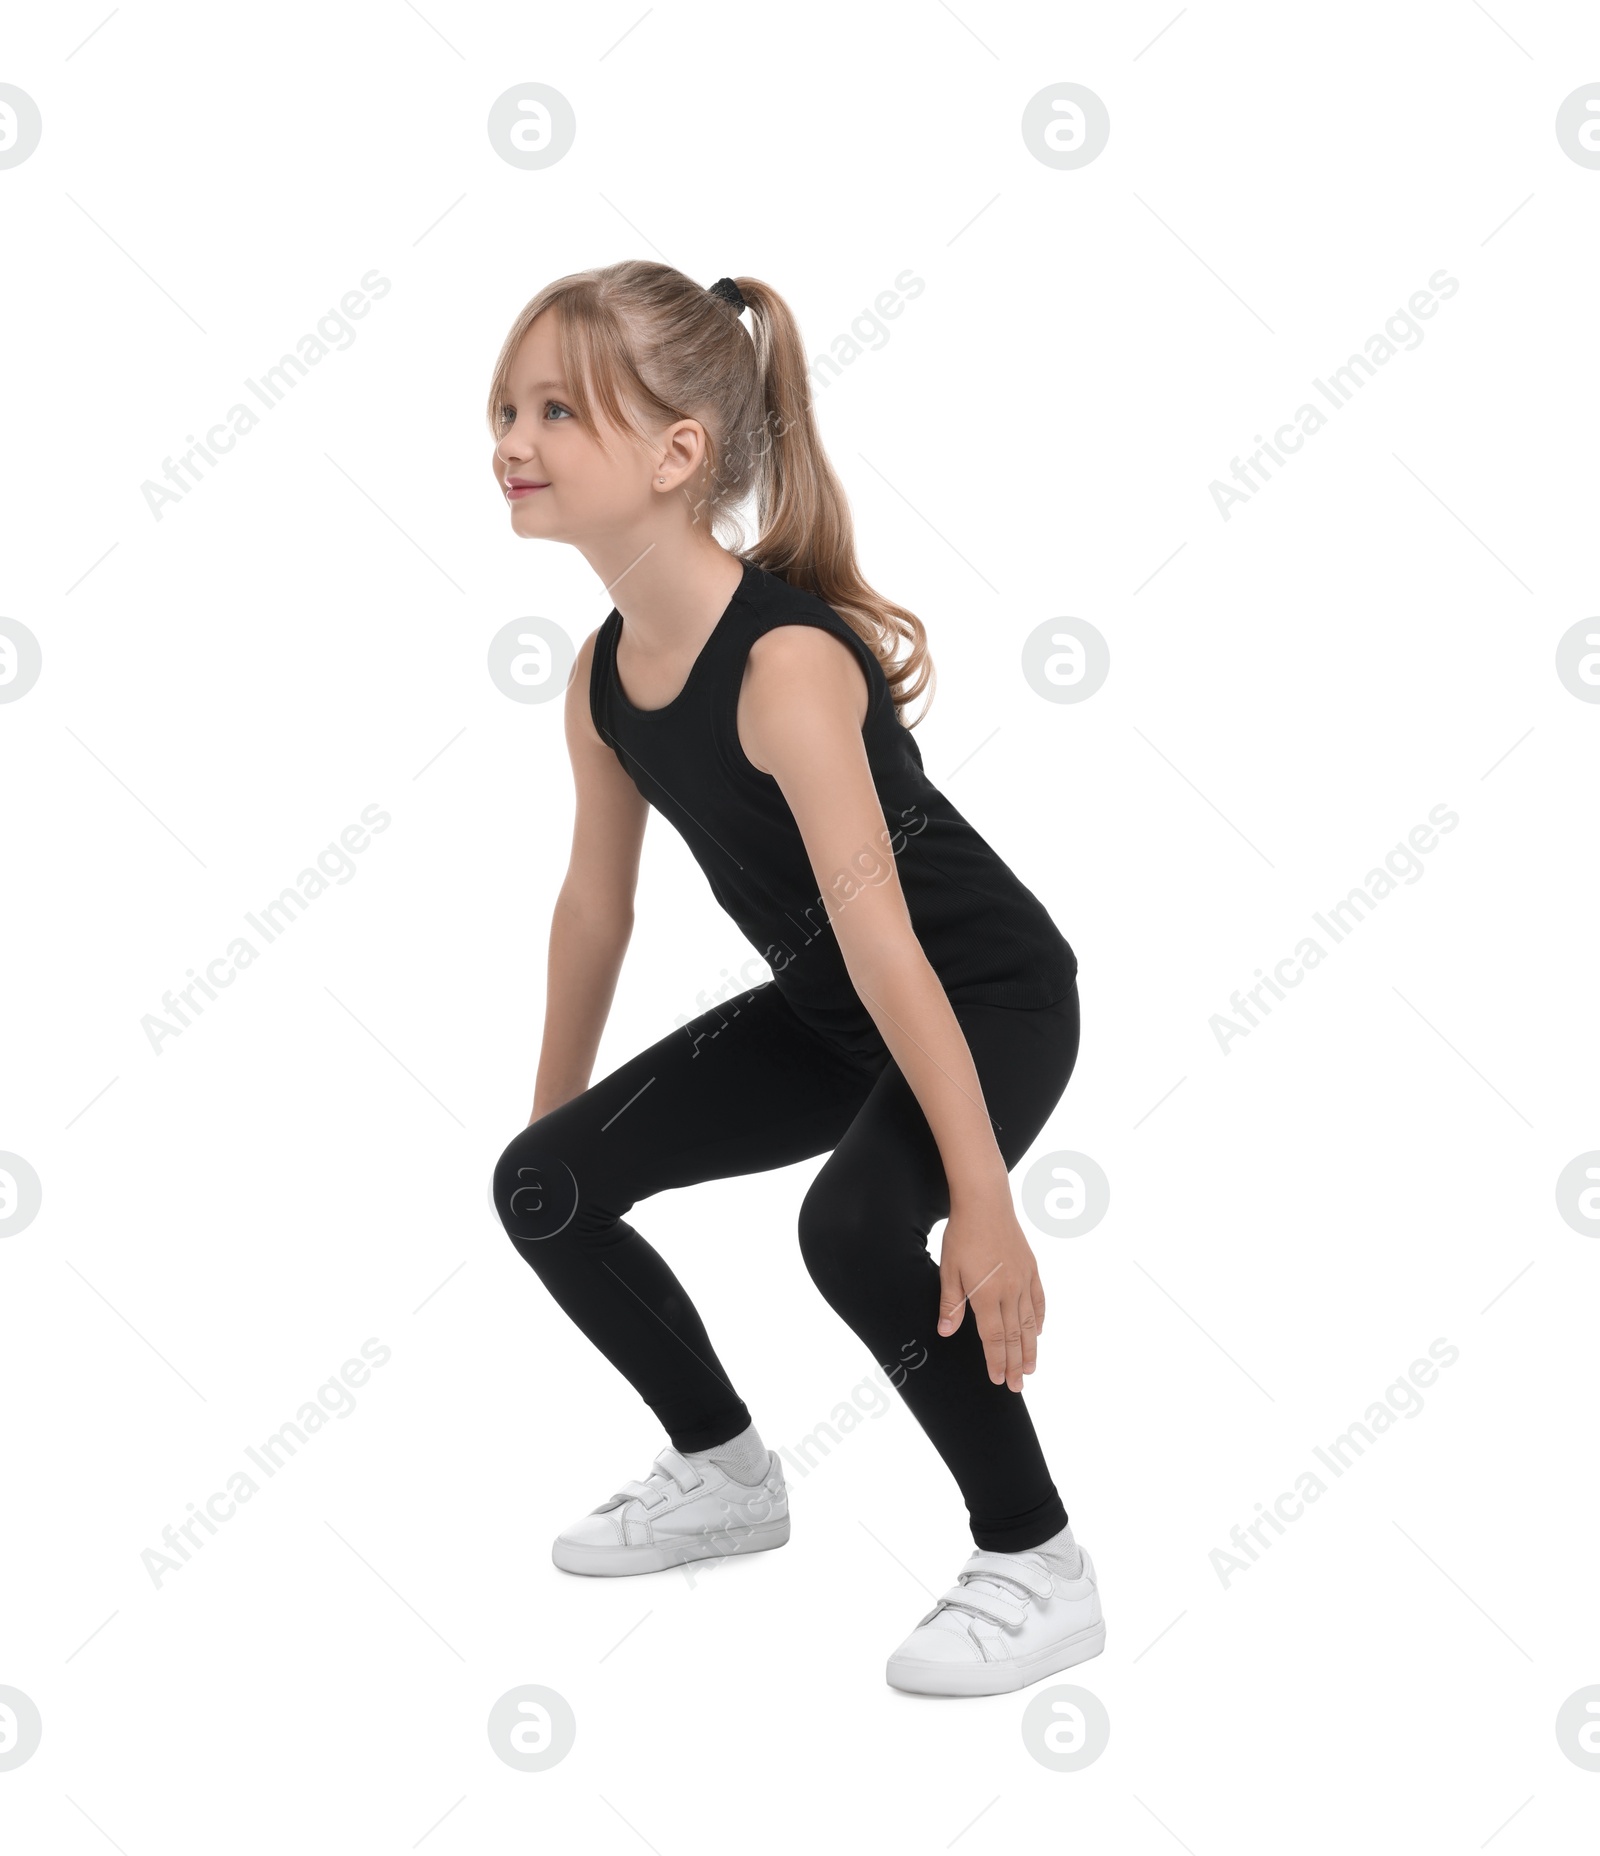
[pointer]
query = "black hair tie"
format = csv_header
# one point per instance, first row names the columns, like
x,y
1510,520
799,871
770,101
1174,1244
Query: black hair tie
x,y
730,293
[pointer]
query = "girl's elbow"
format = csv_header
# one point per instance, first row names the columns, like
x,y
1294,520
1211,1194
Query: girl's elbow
x,y
874,960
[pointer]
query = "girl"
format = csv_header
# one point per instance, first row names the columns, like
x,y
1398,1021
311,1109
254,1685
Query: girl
x,y
922,1016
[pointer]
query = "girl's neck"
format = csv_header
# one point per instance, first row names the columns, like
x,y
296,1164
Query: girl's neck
x,y
670,596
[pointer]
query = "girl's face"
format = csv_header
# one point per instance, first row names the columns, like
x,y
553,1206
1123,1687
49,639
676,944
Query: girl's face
x,y
560,483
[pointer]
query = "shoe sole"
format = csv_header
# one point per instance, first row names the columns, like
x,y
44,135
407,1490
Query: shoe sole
x,y
658,1556
925,1678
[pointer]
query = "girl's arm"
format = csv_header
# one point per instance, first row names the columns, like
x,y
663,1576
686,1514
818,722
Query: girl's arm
x,y
800,714
593,917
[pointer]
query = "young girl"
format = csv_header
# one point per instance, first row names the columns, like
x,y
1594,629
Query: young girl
x,y
922,1016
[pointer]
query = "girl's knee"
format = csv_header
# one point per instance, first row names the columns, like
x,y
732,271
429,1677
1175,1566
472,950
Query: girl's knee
x,y
536,1191
834,1226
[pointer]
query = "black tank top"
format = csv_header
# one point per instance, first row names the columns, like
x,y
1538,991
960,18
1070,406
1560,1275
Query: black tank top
x,y
987,937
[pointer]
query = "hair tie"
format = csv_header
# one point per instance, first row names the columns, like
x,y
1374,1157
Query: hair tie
x,y
730,293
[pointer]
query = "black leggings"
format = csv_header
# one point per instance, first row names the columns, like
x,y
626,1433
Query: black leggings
x,y
748,1086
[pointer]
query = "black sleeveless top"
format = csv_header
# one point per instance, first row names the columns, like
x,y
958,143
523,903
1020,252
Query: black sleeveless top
x,y
987,937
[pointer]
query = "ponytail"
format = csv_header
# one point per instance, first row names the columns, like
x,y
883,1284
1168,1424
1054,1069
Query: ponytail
x,y
806,535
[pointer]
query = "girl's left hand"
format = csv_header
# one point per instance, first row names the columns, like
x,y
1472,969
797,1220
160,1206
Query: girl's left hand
x,y
985,1260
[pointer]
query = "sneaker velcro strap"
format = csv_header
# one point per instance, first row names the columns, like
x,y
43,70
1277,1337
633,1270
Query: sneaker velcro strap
x,y
629,1492
1005,1566
669,1463
1008,1612
680,1469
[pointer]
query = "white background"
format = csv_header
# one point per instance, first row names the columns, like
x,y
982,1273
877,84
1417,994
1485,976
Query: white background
x,y
1291,691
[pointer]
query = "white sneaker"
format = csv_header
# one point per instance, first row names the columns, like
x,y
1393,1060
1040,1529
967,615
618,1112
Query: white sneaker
x,y
679,1512
1009,1619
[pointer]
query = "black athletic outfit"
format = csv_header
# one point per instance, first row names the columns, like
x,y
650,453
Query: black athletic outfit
x,y
796,1067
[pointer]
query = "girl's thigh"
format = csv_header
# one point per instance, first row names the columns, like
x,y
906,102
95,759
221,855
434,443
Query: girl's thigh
x,y
1024,1056
741,1088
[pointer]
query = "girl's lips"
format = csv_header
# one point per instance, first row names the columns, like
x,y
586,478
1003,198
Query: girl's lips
x,y
515,490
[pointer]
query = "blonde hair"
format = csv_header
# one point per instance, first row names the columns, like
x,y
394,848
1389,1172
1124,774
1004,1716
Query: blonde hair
x,y
650,344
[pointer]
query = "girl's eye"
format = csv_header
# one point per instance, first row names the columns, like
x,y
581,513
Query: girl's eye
x,y
507,414
556,404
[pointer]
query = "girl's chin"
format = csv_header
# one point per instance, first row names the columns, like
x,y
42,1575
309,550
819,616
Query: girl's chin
x,y
523,524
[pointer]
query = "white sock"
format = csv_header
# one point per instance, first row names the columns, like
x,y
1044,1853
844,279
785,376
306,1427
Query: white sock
x,y
1062,1552
744,1457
